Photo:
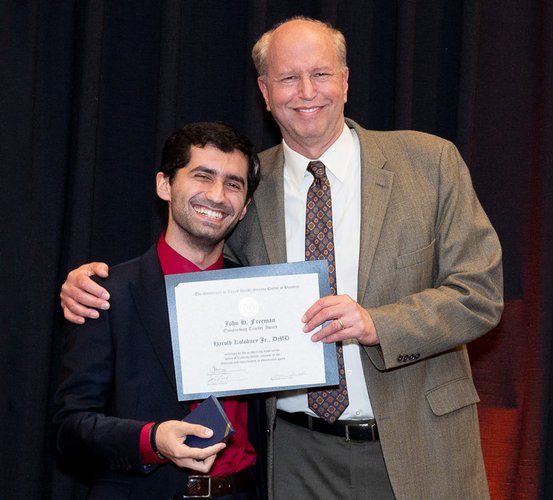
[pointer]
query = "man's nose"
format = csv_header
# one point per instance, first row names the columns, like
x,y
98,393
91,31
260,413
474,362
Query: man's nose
x,y
306,88
216,191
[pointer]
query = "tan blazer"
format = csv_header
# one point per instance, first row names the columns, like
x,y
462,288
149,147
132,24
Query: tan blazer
x,y
430,275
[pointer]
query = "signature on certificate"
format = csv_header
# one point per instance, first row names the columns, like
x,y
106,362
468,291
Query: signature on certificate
x,y
217,376
287,376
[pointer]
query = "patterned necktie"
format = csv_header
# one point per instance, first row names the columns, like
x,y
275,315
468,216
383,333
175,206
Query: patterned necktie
x,y
319,244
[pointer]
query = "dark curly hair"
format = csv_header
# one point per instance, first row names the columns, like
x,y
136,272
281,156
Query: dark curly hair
x,y
177,149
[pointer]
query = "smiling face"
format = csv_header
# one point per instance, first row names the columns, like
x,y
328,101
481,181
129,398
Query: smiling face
x,y
305,87
207,198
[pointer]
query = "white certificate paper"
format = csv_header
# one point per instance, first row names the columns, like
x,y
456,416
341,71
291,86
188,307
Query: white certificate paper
x,y
239,331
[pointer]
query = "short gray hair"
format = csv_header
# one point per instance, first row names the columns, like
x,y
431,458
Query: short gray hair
x,y
259,51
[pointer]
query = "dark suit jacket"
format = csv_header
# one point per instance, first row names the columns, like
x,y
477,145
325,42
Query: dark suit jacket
x,y
117,375
430,276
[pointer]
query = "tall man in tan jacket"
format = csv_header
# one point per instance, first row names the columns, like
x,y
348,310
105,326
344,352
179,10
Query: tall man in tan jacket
x,y
418,268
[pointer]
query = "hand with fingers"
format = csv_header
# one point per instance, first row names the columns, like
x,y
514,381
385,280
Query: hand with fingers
x,y
346,320
170,441
81,296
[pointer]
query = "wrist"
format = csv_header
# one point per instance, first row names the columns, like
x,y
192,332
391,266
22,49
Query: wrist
x,y
147,455
153,444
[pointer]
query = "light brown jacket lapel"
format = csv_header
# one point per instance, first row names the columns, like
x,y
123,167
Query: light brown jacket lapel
x,y
271,215
376,186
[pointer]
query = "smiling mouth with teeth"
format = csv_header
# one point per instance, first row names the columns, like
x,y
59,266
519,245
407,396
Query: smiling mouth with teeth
x,y
308,110
210,213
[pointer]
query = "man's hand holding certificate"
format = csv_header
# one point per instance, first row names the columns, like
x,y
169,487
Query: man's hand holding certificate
x,y
239,331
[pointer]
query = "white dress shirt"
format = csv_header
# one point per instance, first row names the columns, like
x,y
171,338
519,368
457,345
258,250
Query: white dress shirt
x,y
343,169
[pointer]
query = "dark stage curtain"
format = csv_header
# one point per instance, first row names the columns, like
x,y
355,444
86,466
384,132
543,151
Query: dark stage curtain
x,y
89,90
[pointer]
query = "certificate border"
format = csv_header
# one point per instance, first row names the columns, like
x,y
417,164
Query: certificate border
x,y
319,267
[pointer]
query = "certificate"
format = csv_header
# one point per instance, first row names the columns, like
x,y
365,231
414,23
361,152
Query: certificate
x,y
239,331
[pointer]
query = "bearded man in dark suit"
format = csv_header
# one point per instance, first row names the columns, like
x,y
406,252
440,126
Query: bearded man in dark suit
x,y
117,400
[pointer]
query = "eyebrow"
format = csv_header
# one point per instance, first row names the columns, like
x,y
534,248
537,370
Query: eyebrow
x,y
325,67
212,171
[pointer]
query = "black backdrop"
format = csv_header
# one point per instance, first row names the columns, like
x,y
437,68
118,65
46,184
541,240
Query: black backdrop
x,y
89,90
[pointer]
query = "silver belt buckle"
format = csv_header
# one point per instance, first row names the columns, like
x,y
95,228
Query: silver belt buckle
x,y
208,487
347,432
371,425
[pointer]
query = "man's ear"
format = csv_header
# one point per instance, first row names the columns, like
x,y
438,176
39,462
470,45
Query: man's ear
x,y
346,85
263,87
163,186
245,209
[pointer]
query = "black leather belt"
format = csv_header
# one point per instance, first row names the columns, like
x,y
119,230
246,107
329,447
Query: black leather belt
x,y
203,486
351,430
